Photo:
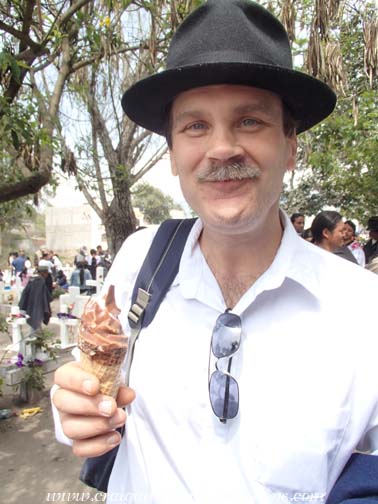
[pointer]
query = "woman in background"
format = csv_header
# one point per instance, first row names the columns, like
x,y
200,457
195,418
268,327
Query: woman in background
x,y
80,276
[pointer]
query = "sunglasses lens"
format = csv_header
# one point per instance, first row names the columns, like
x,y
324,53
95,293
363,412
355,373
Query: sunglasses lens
x,y
226,335
224,395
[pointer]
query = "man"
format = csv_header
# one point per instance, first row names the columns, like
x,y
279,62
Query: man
x,y
230,105
298,221
46,261
19,262
36,297
371,247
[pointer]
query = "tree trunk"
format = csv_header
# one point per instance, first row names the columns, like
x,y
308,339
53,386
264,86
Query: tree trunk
x,y
119,221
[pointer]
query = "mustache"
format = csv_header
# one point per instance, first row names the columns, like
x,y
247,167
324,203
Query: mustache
x,y
235,170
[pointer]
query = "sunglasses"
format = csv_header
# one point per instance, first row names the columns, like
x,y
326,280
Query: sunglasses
x,y
223,388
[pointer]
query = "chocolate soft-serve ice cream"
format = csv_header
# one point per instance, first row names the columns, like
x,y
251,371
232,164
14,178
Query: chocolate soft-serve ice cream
x,y
102,342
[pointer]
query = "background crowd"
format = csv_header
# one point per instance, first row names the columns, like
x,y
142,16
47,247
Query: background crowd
x,y
330,232
23,267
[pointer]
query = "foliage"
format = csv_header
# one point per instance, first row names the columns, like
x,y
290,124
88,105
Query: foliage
x,y
57,292
337,164
33,375
153,203
3,325
14,213
41,341
111,153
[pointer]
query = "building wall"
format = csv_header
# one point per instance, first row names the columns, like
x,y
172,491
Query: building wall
x,y
70,228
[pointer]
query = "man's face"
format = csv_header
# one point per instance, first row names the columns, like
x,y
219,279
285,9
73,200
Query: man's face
x,y
348,233
373,234
299,224
214,127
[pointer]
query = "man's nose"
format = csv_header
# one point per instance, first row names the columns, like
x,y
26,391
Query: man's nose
x,y
224,145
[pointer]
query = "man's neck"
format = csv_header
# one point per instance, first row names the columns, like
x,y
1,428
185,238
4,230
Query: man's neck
x,y
237,261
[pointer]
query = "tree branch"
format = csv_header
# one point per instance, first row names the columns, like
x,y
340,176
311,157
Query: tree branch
x,y
21,36
152,161
29,185
89,198
100,181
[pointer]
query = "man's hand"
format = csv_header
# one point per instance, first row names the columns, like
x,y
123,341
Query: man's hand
x,y
88,417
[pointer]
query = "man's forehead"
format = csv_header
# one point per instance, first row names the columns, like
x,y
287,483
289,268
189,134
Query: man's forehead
x,y
239,96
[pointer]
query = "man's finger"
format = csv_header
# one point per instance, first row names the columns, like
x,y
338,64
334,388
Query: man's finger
x,y
71,376
96,446
80,427
125,396
73,403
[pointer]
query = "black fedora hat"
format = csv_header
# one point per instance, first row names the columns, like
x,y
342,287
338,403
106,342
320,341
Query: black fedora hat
x,y
229,42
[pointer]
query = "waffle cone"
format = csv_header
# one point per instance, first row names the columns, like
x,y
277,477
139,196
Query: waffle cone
x,y
105,365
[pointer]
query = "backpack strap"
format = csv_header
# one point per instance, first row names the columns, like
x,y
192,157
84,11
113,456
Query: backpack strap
x,y
155,277
158,270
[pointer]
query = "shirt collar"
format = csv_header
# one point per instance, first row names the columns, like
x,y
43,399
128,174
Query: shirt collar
x,y
293,260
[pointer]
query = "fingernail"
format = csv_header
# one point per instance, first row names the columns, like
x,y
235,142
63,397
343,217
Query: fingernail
x,y
105,407
88,386
115,423
113,440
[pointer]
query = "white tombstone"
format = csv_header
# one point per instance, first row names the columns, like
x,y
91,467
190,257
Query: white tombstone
x,y
16,323
74,302
99,282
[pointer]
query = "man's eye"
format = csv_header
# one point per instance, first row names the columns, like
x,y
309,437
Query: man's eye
x,y
195,126
248,121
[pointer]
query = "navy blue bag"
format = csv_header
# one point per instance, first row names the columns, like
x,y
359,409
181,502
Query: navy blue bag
x,y
358,483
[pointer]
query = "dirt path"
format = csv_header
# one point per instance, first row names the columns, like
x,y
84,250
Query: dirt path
x,y
35,468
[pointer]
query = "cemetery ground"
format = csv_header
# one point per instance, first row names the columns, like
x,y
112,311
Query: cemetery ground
x,y
35,468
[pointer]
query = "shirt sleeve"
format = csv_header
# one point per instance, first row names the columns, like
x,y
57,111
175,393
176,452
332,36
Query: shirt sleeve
x,y
59,434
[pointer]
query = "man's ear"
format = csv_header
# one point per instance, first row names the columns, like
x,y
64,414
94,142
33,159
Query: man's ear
x,y
292,154
173,164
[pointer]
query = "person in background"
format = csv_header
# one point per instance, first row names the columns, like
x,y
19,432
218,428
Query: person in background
x,y
100,251
371,246
79,277
298,221
24,276
29,266
352,243
19,262
328,233
93,261
307,235
36,298
61,280
46,261
57,264
327,230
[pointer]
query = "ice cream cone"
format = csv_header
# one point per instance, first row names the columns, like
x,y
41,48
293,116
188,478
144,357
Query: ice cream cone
x,y
102,342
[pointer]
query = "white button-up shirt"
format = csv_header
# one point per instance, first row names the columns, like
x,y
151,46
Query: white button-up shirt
x,y
306,370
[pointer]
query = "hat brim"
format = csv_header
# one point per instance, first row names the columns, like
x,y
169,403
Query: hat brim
x,y
309,99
